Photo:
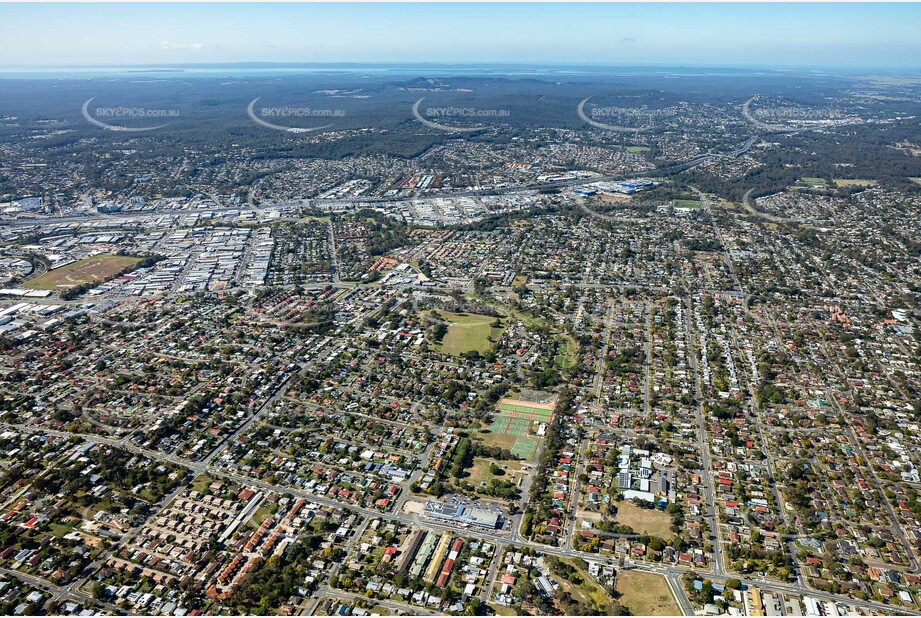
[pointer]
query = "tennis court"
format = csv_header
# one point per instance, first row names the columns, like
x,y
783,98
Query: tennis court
x,y
515,418
514,427
532,411
524,447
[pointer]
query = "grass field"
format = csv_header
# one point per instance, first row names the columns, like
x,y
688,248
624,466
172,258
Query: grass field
x,y
201,483
265,509
519,280
501,440
567,356
915,180
687,204
815,183
637,149
644,521
95,269
468,332
60,530
589,591
525,318
854,182
646,594
480,470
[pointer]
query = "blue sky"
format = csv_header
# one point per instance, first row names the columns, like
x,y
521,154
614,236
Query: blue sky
x,y
882,35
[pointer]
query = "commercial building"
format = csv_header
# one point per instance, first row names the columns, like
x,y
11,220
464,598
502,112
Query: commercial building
x,y
461,514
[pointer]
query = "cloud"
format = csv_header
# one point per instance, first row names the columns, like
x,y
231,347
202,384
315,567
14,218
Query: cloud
x,y
180,46
628,41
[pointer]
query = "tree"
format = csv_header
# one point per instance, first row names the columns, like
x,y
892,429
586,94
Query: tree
x,y
99,591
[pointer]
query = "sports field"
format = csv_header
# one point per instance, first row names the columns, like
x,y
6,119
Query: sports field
x,y
687,204
854,182
815,183
468,332
91,270
515,418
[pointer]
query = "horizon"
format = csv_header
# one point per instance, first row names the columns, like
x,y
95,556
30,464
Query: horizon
x,y
832,35
420,69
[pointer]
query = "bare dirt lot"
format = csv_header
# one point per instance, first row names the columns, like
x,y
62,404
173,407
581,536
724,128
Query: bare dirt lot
x,y
644,521
95,269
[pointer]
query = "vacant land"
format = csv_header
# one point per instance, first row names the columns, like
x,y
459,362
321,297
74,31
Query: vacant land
x,y
468,332
587,591
854,182
201,483
646,594
480,470
91,270
644,521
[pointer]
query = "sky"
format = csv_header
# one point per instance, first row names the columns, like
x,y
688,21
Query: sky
x,y
719,34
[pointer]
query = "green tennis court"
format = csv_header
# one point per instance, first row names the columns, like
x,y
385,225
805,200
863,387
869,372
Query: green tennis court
x,y
516,418
524,447
523,409
517,427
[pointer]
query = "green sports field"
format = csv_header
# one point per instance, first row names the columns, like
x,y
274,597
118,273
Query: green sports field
x,y
687,204
815,183
637,149
468,332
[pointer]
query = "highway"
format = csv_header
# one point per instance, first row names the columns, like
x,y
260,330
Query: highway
x,y
371,202
763,215
772,128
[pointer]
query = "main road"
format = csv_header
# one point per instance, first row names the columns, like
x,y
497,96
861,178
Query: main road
x,y
499,538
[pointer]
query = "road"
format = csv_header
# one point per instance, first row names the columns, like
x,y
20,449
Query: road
x,y
349,203
60,592
703,442
772,128
430,525
763,215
